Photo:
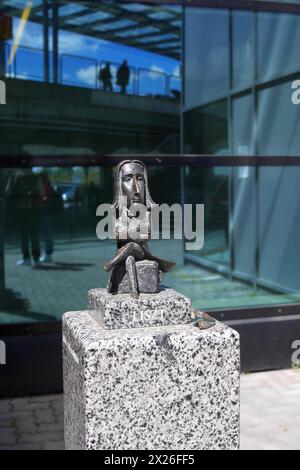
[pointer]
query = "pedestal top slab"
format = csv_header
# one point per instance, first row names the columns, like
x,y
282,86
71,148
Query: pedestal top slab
x,y
167,307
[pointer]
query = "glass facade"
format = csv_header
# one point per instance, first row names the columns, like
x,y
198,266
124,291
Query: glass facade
x,y
89,82
259,64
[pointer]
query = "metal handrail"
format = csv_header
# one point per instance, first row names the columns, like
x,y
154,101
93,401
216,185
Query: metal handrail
x,y
152,72
136,72
86,59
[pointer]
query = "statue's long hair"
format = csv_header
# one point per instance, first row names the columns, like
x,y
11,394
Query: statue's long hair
x,y
118,190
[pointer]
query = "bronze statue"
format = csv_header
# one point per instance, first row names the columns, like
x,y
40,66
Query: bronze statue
x,y
134,269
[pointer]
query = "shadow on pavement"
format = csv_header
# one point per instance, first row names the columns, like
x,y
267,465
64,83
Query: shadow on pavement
x,y
65,266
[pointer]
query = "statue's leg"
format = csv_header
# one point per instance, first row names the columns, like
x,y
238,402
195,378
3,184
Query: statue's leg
x,y
132,276
130,249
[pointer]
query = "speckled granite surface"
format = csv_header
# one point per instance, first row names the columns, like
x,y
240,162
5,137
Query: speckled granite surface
x,y
167,307
154,388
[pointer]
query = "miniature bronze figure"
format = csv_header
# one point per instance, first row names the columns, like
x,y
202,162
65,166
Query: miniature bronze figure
x,y
134,269
202,319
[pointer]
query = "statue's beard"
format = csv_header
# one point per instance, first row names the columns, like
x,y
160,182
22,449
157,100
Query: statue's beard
x,y
131,201
136,200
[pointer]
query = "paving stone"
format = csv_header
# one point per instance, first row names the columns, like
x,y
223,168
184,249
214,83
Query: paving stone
x,y
57,408
269,418
57,404
53,446
17,402
20,414
8,436
46,399
30,406
53,427
5,407
26,426
5,416
40,437
6,423
45,418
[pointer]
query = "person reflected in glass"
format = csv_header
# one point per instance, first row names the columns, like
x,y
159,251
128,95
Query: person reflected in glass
x,y
123,76
46,203
93,197
106,78
24,203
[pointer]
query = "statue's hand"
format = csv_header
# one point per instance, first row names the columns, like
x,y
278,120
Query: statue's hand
x,y
107,267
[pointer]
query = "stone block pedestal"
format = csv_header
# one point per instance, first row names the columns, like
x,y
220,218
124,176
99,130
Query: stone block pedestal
x,y
169,386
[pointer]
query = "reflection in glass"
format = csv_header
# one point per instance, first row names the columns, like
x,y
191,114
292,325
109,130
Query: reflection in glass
x,y
50,243
244,190
211,188
278,121
206,55
278,43
206,130
242,48
135,109
279,225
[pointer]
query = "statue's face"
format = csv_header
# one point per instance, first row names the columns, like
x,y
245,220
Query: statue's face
x,y
133,183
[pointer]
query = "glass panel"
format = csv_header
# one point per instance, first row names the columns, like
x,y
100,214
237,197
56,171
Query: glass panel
x,y
161,16
51,212
244,222
206,130
278,121
78,71
266,257
279,225
211,188
113,86
138,32
118,84
29,64
70,9
161,37
206,133
115,25
93,111
63,225
278,39
20,3
90,18
242,48
135,7
152,82
206,55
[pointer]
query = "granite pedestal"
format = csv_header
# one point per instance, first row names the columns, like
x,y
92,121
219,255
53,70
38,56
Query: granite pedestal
x,y
165,384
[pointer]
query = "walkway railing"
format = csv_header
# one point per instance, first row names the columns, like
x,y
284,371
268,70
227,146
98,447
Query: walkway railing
x,y
84,72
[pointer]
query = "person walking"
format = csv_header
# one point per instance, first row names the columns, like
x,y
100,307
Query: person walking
x,y
106,78
123,76
45,193
24,201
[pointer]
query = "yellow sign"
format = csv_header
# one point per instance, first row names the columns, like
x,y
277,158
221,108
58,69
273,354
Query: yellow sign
x,y
5,27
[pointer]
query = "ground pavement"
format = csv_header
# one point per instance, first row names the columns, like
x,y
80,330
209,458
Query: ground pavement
x,y
269,416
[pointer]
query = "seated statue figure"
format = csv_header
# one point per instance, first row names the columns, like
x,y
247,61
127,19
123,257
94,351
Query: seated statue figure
x,y
134,269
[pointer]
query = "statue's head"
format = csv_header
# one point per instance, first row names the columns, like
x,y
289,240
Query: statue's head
x,y
131,185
